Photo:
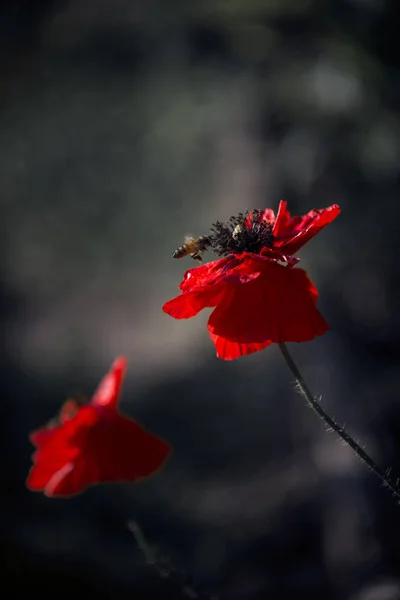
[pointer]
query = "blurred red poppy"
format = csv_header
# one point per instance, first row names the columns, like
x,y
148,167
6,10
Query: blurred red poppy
x,y
94,443
257,298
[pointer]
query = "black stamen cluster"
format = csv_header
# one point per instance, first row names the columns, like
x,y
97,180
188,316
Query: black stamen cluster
x,y
234,237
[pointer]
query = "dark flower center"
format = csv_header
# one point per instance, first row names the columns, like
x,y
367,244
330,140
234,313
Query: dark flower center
x,y
244,233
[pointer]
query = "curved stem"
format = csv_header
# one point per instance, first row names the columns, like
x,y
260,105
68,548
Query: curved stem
x,y
312,403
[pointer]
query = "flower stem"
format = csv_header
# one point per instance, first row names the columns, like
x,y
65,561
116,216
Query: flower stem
x,y
166,572
312,403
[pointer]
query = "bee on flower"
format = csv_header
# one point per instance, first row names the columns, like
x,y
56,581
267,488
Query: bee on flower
x,y
257,296
193,246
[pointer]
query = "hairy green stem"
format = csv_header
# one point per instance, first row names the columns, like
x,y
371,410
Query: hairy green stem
x,y
312,403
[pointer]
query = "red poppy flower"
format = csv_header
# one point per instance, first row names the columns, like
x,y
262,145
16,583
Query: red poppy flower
x,y
257,299
94,443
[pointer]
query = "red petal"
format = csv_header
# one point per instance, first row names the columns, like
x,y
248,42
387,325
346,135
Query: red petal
x,y
74,477
107,394
276,254
297,231
200,292
230,350
310,225
68,481
50,459
94,444
118,449
59,447
125,451
268,216
282,219
113,448
188,304
277,307
42,436
208,274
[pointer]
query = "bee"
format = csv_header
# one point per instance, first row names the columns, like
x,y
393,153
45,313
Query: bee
x,y
193,246
237,231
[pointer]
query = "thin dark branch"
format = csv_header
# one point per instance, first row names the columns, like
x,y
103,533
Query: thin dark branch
x,y
164,572
312,402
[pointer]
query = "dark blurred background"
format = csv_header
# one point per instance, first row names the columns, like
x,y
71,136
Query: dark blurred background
x,y
126,124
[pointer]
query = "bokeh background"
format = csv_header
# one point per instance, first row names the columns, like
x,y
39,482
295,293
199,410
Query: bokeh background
x,y
126,124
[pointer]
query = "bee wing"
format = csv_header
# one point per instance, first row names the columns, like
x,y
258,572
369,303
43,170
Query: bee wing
x,y
188,238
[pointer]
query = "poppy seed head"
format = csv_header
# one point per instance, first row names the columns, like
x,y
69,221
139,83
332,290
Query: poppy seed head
x,y
246,232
